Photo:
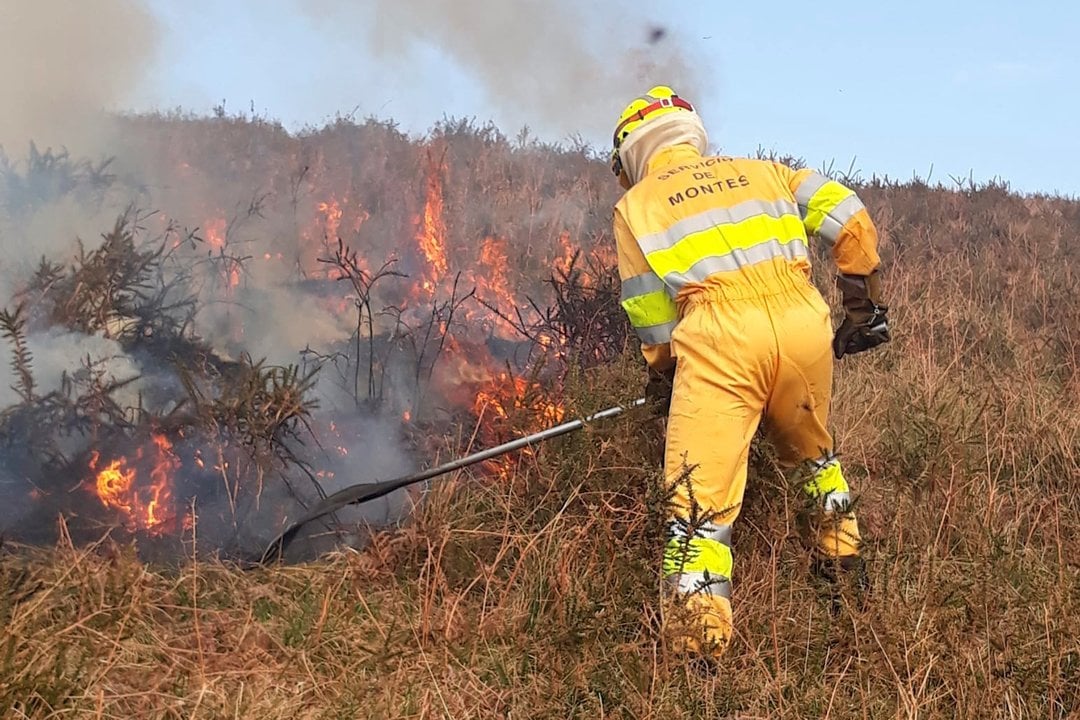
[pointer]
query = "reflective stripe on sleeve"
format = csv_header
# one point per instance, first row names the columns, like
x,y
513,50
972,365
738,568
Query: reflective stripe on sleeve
x,y
642,285
656,334
822,204
813,182
835,220
650,308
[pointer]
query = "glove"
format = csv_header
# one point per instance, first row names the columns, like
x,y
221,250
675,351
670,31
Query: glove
x,y
658,389
865,323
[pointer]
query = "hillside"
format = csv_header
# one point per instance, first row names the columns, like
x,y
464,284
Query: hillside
x,y
528,588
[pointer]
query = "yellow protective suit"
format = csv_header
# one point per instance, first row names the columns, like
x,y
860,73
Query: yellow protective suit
x,y
713,258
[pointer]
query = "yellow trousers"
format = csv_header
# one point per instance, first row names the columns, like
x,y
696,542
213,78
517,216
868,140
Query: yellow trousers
x,y
747,352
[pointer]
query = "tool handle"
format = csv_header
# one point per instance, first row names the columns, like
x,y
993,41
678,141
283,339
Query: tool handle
x,y
364,492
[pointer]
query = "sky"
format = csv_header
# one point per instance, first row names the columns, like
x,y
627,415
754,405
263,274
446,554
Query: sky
x,y
921,88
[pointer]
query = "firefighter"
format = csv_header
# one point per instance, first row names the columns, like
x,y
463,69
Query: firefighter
x,y
713,257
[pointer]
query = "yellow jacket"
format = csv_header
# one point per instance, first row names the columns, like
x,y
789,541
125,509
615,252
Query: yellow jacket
x,y
697,221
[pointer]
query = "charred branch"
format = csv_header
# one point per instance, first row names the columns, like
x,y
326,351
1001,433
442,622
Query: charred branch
x,y
350,268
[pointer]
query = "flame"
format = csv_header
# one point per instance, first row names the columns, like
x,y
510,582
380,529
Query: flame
x,y
492,284
215,233
603,254
502,404
161,474
488,399
568,250
504,394
147,506
467,376
331,217
432,234
361,218
321,233
114,485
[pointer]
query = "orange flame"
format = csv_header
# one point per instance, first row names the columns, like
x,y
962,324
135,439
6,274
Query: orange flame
x,y
216,230
501,395
332,217
499,404
432,234
492,282
361,218
215,233
148,506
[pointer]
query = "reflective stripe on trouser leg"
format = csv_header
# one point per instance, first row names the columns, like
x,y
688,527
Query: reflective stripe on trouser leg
x,y
701,563
720,391
839,532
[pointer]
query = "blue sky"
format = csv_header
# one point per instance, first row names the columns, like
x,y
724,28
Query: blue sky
x,y
988,88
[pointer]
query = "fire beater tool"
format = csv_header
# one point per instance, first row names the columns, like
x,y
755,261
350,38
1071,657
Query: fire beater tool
x,y
364,492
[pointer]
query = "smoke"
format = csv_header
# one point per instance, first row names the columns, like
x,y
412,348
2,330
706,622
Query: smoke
x,y
558,66
278,322
51,230
63,67
58,352
64,64
366,449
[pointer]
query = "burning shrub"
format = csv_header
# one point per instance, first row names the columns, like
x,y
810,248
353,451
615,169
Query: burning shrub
x,y
341,288
197,415
210,433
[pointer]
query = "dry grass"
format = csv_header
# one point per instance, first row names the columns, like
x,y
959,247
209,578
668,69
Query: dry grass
x,y
537,597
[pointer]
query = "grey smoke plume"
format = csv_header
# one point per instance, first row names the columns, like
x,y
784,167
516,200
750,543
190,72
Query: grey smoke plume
x,y
51,230
557,65
57,352
63,63
64,66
